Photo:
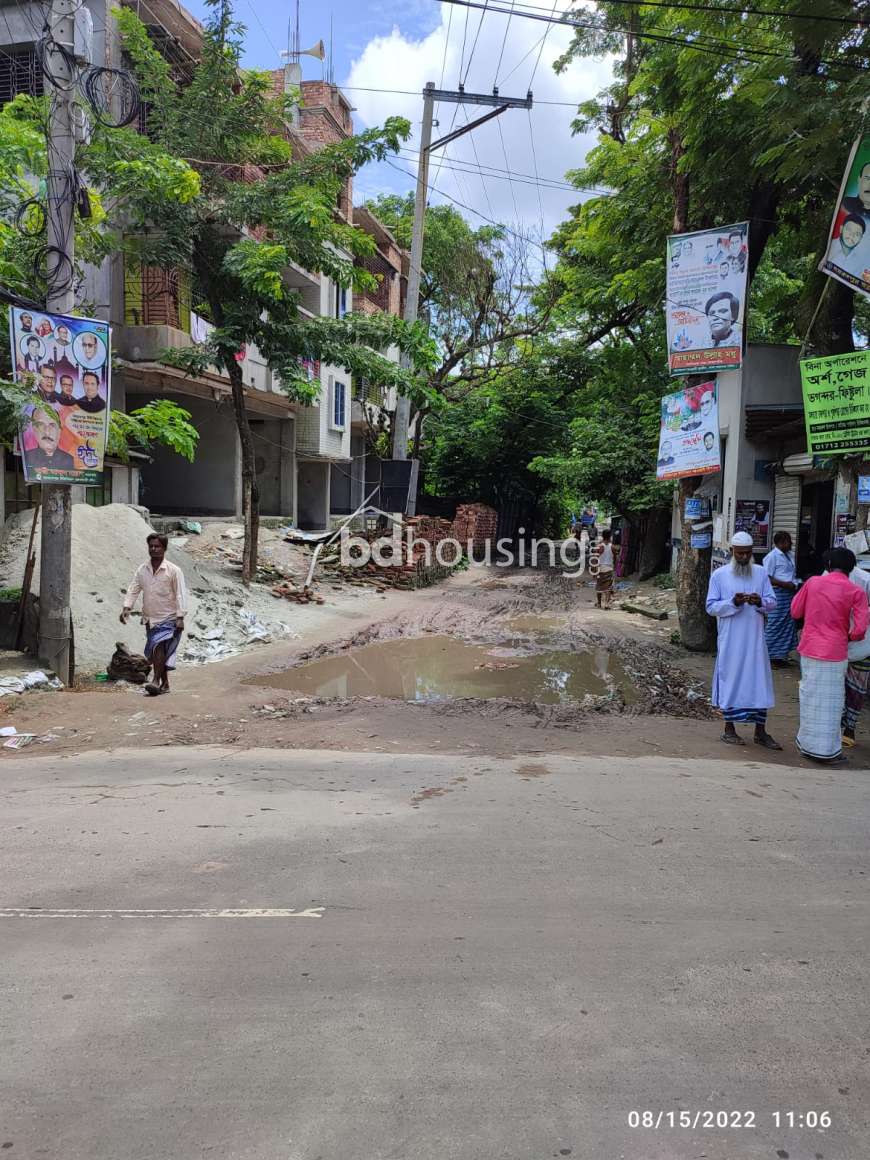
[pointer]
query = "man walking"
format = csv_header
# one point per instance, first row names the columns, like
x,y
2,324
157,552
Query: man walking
x,y
834,611
164,606
781,631
739,594
603,559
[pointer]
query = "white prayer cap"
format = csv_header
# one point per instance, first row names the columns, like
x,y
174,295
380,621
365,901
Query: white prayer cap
x,y
741,540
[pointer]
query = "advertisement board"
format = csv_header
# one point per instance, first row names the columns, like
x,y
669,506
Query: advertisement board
x,y
689,433
65,364
706,299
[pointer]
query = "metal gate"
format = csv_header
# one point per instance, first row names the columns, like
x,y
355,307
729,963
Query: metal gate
x,y
787,505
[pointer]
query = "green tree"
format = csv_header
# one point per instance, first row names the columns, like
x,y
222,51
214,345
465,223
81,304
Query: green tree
x,y
475,296
715,116
482,447
259,208
23,275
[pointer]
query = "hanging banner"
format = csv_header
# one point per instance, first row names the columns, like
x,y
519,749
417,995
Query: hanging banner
x,y
689,433
66,363
848,255
836,393
706,299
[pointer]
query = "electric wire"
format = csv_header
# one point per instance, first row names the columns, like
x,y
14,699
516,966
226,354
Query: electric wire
x,y
416,92
479,170
503,43
507,168
541,49
502,175
538,183
474,45
748,52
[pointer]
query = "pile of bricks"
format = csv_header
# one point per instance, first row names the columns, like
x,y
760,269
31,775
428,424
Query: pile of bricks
x,y
413,573
475,522
432,529
288,591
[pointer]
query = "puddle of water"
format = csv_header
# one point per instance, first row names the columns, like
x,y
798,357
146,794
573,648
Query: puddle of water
x,y
438,668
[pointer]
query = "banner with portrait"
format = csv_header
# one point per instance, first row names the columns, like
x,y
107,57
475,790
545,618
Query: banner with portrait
x,y
848,254
66,364
753,516
689,433
706,299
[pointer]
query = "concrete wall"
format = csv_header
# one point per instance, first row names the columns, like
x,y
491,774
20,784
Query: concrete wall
x,y
348,480
275,459
210,485
312,496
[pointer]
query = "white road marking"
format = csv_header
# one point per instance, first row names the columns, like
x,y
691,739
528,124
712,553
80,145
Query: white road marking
x,y
189,912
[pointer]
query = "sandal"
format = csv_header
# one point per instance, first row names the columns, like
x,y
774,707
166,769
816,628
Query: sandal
x,y
849,742
767,742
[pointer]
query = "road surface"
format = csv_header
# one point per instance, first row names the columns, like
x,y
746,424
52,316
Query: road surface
x,y
342,956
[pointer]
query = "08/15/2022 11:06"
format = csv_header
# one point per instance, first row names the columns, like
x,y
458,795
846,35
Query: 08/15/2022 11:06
x,y
660,1119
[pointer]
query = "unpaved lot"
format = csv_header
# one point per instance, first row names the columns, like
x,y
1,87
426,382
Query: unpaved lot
x,y
666,715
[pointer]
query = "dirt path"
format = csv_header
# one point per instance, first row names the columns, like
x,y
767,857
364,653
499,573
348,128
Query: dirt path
x,y
223,703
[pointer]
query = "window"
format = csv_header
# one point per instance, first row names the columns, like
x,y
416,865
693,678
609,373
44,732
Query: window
x,y
20,72
340,301
338,408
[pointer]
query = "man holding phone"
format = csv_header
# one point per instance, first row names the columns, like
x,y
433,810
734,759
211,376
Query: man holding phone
x,y
739,595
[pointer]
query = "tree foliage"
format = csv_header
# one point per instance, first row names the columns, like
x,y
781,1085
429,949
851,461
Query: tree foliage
x,y
262,205
475,297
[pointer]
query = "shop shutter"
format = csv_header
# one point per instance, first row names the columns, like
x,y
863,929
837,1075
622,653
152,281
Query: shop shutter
x,y
787,505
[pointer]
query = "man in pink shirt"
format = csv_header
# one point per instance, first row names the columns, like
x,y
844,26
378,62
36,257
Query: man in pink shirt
x,y
834,611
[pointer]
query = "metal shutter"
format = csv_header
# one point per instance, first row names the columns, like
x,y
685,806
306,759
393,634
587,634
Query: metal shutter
x,y
787,505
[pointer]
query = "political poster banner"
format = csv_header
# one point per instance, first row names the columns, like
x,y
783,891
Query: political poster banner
x,y
706,299
65,363
836,393
848,254
689,433
753,516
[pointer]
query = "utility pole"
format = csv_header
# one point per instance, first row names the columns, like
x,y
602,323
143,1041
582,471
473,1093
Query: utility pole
x,y
427,146
56,546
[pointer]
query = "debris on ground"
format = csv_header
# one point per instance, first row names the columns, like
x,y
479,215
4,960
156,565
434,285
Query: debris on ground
x,y
128,666
27,682
19,741
652,613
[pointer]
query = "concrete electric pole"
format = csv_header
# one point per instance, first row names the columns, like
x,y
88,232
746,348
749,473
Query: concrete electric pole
x,y
55,552
431,95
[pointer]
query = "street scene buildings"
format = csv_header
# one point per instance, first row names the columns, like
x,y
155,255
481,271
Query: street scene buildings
x,y
434,580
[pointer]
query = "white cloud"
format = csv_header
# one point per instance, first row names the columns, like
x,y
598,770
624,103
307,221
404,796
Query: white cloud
x,y
398,61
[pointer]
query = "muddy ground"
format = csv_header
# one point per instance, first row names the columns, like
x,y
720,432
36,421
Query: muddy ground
x,y
656,705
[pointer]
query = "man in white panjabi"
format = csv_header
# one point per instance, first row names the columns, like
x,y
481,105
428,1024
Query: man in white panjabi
x,y
739,595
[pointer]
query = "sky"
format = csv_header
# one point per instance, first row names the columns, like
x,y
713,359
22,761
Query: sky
x,y
400,45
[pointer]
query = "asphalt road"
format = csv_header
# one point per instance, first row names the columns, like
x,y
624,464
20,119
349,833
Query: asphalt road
x,y
483,958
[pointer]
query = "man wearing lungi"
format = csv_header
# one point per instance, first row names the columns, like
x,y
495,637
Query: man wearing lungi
x,y
834,611
164,606
781,631
740,593
603,568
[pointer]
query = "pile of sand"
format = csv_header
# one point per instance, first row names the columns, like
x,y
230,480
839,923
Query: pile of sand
x,y
108,545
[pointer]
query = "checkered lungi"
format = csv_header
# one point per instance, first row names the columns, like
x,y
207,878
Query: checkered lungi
x,y
857,688
822,695
781,631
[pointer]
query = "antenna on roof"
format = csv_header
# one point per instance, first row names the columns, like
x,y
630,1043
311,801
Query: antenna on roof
x,y
330,76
